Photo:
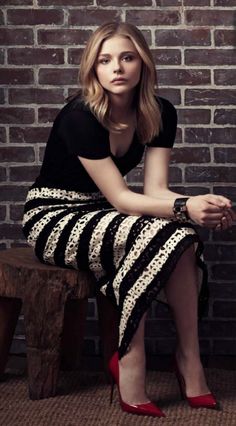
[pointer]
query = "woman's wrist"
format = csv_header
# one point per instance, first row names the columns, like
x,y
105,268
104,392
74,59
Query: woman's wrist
x,y
180,209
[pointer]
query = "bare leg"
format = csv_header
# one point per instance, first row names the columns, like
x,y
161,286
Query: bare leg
x,y
132,369
182,296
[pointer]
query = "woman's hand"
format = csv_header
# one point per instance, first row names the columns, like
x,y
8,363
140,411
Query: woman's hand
x,y
211,211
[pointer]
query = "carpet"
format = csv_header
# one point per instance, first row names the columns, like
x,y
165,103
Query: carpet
x,y
83,400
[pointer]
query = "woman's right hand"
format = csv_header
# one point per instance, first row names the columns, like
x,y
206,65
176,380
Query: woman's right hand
x,y
211,211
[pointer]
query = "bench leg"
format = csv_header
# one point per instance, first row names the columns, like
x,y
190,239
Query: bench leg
x,y
9,313
109,332
43,317
73,333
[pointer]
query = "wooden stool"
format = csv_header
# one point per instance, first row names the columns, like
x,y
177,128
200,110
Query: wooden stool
x,y
54,306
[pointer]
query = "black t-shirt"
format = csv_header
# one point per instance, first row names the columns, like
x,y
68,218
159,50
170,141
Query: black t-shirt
x,y
77,132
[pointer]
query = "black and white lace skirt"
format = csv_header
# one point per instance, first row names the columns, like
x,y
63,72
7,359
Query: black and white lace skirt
x,y
131,257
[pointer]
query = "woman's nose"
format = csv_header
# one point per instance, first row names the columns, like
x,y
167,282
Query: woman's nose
x,y
117,67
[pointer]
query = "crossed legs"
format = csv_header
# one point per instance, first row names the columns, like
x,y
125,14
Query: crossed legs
x,y
182,295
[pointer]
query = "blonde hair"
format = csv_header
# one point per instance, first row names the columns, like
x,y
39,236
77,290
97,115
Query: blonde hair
x,y
147,110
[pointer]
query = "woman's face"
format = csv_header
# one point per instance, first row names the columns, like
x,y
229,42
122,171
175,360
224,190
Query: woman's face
x,y
118,66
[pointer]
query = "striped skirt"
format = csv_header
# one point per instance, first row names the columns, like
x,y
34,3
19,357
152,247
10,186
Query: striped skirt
x,y
131,257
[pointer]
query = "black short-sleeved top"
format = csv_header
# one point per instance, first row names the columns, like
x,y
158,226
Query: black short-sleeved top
x,y
77,132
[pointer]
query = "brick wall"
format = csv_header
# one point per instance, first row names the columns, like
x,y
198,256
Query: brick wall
x,y
192,42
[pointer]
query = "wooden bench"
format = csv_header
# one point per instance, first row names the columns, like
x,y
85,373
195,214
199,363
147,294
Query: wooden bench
x,y
54,302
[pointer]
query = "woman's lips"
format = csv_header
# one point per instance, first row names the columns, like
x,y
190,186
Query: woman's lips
x,y
119,80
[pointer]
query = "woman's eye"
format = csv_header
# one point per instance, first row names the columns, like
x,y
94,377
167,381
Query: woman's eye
x,y
127,58
103,61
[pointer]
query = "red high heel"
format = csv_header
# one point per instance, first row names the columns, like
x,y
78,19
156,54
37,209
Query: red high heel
x,y
200,401
147,409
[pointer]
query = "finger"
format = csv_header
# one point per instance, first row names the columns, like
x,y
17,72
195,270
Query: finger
x,y
225,223
227,220
220,201
218,227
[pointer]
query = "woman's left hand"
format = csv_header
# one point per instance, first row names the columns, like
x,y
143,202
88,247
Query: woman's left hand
x,y
229,216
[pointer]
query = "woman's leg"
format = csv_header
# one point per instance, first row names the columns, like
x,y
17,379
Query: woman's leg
x,y
132,369
182,295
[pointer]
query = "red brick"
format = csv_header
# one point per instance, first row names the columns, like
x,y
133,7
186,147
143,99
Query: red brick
x,y
217,328
175,175
179,136
227,191
74,56
65,2
11,231
16,76
166,56
210,174
210,96
225,155
13,192
35,17
226,3
17,154
210,57
92,16
16,2
210,135
183,77
56,76
190,155
16,212
222,291
197,2
2,174
16,115
228,235
136,175
153,17
224,347
136,3
2,96
193,37
225,116
1,18
225,77
36,96
173,95
209,17
63,36
219,252
29,134
9,36
192,116
1,56
225,37
34,56
2,213
3,136
24,173
47,115
223,271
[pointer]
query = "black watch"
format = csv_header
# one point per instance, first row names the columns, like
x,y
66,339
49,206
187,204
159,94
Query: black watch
x,y
180,209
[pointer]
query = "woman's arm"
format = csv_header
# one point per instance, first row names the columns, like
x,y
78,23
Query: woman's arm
x,y
109,180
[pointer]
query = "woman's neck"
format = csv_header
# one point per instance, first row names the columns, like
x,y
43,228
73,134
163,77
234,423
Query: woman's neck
x,y
121,107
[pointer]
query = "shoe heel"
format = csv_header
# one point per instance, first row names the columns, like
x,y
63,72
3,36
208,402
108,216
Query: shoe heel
x,y
180,384
112,390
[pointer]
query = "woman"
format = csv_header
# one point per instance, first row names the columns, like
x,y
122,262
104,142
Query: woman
x,y
81,214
